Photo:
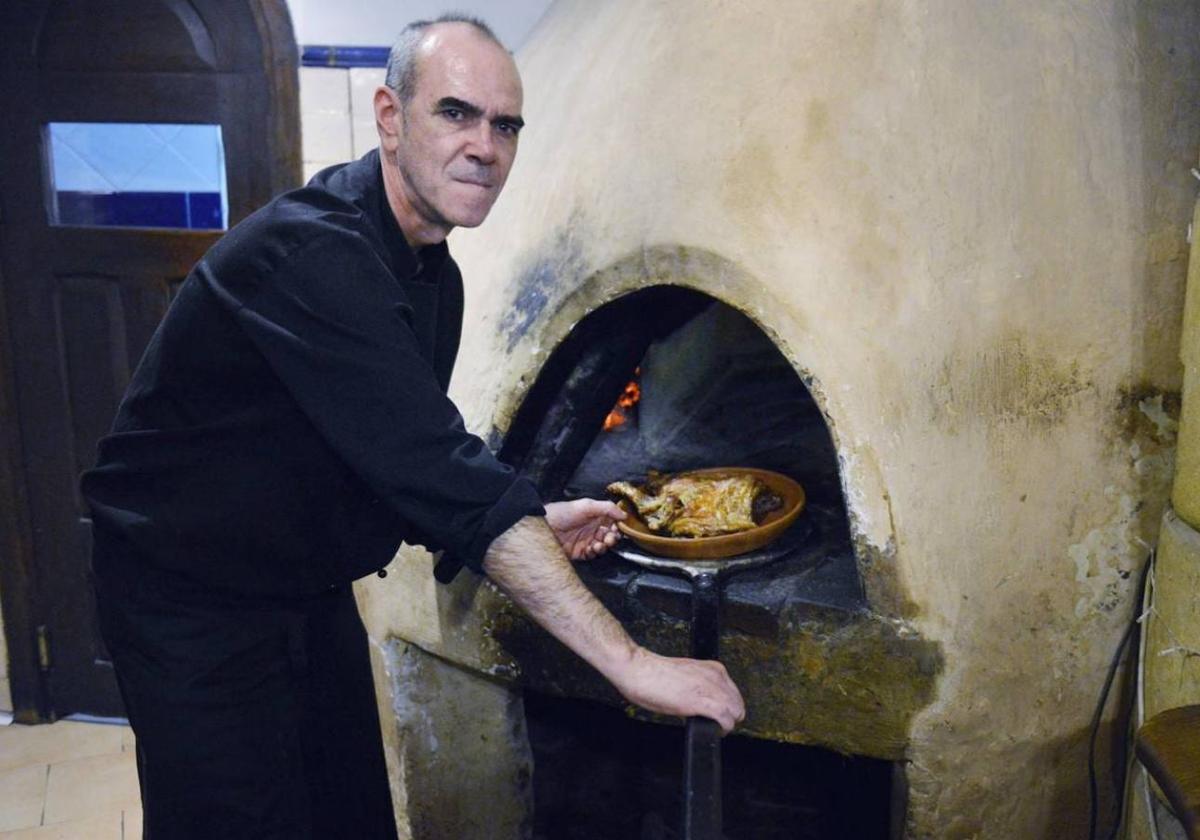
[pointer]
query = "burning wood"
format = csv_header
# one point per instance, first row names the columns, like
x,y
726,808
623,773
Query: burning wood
x,y
628,399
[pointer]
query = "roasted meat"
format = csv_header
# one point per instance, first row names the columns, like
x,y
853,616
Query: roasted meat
x,y
699,505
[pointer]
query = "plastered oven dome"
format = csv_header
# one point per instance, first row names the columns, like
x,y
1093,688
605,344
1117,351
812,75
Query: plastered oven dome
x,y
964,224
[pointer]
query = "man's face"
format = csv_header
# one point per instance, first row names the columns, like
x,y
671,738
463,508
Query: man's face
x,y
456,140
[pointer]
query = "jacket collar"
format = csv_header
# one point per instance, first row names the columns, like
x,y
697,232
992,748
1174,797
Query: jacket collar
x,y
361,183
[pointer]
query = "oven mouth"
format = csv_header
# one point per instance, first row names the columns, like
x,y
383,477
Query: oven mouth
x,y
712,390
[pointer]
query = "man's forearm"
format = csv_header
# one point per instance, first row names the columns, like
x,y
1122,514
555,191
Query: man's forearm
x,y
529,565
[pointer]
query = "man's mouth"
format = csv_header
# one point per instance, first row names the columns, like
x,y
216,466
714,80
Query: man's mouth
x,y
474,182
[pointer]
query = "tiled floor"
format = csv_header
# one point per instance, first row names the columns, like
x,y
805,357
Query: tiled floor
x,y
68,781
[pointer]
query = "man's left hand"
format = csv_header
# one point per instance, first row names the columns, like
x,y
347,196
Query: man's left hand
x,y
585,528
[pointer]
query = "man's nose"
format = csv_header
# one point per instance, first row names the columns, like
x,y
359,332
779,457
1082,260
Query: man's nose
x,y
483,144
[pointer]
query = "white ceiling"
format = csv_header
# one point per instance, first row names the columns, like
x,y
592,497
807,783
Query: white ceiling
x,y
375,23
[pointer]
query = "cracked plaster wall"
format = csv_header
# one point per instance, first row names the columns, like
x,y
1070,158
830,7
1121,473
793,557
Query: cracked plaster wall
x,y
966,222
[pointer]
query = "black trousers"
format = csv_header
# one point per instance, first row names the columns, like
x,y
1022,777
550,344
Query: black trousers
x,y
255,718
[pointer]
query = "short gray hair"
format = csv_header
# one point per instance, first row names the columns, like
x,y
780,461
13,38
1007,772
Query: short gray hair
x,y
402,60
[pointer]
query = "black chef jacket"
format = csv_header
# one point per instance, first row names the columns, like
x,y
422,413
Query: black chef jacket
x,y
288,425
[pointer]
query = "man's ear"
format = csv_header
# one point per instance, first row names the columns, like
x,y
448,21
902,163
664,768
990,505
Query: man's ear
x,y
389,118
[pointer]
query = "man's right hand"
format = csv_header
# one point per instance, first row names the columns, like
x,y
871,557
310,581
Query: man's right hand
x,y
682,687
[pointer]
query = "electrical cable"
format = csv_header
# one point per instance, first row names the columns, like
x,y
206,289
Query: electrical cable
x,y
1118,780
1139,711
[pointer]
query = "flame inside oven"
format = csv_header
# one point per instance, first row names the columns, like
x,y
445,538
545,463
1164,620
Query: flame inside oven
x,y
625,403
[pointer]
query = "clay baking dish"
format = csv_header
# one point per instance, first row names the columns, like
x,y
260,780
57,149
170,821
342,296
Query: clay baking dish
x,y
725,545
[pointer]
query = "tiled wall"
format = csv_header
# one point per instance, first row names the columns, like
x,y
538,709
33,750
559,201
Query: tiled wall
x,y
337,120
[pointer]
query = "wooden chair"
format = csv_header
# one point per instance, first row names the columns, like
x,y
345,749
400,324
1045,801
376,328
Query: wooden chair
x,y
1168,745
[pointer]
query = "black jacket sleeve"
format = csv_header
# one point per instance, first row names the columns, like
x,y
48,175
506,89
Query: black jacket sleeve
x,y
337,329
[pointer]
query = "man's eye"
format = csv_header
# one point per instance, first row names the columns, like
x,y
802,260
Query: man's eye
x,y
508,128
452,114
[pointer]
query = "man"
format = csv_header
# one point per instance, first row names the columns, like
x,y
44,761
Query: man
x,y
287,428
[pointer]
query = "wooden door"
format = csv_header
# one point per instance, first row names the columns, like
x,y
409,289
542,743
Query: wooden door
x,y
79,303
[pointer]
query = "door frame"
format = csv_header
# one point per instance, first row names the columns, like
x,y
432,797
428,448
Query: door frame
x,y
20,614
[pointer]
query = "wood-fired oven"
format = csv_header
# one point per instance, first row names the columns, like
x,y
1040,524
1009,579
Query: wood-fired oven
x,y
926,258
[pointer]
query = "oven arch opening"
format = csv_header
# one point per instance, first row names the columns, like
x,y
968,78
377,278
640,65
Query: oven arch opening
x,y
669,378
535,345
